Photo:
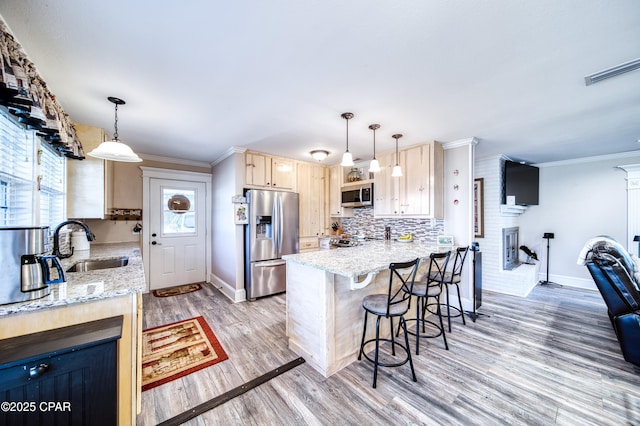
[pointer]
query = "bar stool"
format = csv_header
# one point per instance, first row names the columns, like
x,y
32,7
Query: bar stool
x,y
430,287
452,278
395,303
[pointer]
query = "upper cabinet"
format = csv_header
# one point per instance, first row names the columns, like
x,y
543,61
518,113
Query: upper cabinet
x,y
265,171
311,184
88,189
419,192
336,180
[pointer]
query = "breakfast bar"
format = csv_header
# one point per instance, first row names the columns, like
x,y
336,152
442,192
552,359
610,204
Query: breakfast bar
x,y
324,297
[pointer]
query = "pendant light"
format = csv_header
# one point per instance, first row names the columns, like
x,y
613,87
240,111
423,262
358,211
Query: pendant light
x,y
374,166
115,150
397,170
347,158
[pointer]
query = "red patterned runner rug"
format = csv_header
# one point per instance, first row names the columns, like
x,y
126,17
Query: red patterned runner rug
x,y
174,350
174,291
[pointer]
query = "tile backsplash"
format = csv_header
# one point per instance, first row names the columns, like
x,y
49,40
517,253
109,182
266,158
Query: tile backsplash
x,y
363,221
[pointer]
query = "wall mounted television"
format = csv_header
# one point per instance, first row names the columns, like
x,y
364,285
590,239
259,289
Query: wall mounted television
x,y
520,181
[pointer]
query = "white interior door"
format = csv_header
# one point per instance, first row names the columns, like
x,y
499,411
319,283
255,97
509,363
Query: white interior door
x,y
177,238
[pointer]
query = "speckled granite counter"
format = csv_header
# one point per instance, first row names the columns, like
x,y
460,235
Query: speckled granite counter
x,y
370,256
91,285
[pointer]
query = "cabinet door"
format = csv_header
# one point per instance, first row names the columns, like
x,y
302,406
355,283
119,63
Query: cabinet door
x,y
258,171
310,186
86,181
283,174
385,187
414,184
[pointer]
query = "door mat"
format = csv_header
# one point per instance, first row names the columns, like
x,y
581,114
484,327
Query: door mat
x,y
174,350
174,291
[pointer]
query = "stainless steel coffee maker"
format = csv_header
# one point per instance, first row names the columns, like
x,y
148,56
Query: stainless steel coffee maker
x,y
26,269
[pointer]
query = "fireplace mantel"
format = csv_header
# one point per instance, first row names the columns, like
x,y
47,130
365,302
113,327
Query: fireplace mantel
x,y
512,210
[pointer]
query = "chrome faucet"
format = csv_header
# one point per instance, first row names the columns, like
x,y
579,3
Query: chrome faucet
x,y
56,237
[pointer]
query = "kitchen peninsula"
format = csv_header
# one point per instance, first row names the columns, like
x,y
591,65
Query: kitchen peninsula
x,y
89,296
324,297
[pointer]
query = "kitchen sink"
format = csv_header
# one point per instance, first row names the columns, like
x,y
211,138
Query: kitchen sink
x,y
92,265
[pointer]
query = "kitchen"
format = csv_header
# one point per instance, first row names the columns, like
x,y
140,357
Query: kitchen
x,y
231,174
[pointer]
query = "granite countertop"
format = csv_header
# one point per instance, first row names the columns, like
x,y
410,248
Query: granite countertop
x,y
370,256
91,285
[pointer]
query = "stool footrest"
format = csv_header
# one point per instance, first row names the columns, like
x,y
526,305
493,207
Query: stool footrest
x,y
397,345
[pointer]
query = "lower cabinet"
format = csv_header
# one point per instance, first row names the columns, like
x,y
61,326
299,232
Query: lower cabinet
x,y
63,376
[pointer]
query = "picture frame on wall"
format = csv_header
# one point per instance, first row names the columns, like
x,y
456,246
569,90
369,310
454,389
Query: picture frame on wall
x,y
478,207
241,217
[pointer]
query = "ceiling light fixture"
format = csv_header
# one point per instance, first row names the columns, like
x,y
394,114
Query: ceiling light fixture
x,y
374,166
612,72
347,158
397,170
319,154
115,150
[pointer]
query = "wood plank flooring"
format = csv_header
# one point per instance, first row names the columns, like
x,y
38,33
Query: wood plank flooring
x,y
550,358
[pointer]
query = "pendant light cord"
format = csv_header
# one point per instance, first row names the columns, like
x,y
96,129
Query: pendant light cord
x,y
347,119
115,124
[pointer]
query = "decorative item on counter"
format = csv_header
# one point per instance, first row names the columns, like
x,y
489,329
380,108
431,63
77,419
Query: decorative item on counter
x,y
445,240
334,227
354,175
387,233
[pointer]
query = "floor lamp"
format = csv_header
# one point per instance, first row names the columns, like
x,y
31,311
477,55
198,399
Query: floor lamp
x,y
548,236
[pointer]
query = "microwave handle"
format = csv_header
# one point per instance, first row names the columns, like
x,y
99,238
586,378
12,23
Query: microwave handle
x,y
360,194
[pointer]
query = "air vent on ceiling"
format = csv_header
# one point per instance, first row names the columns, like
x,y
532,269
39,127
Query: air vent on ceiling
x,y
612,72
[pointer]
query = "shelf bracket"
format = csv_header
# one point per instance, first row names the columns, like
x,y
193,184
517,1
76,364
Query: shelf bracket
x,y
357,285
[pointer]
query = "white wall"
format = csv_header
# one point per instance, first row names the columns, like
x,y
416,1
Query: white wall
x,y
579,199
227,237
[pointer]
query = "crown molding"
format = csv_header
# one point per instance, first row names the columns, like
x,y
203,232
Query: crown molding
x,y
460,142
172,160
616,156
228,153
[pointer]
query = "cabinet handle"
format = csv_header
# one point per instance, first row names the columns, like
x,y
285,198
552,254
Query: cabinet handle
x,y
38,370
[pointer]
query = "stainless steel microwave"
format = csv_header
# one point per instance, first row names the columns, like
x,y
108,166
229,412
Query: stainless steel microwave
x,y
357,195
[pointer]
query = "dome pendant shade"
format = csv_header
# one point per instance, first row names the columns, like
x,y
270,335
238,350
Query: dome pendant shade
x,y
115,150
347,158
374,166
179,204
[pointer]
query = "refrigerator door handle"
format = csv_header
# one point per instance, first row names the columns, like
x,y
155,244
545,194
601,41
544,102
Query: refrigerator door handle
x,y
278,225
268,263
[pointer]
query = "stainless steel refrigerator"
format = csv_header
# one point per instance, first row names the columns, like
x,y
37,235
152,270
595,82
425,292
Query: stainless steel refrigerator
x,y
271,233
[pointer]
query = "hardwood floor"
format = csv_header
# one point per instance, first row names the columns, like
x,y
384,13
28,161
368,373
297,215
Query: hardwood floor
x,y
550,358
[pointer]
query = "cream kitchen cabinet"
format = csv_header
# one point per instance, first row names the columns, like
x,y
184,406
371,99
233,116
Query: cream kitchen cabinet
x,y
88,181
385,187
311,184
265,171
419,192
336,180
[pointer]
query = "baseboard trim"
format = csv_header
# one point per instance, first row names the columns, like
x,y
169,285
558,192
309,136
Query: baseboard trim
x,y
234,294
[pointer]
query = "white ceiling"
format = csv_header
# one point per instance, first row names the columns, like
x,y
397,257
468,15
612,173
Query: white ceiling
x,y
201,76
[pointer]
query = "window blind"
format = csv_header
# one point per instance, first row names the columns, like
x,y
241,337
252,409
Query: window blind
x,y
21,175
17,173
